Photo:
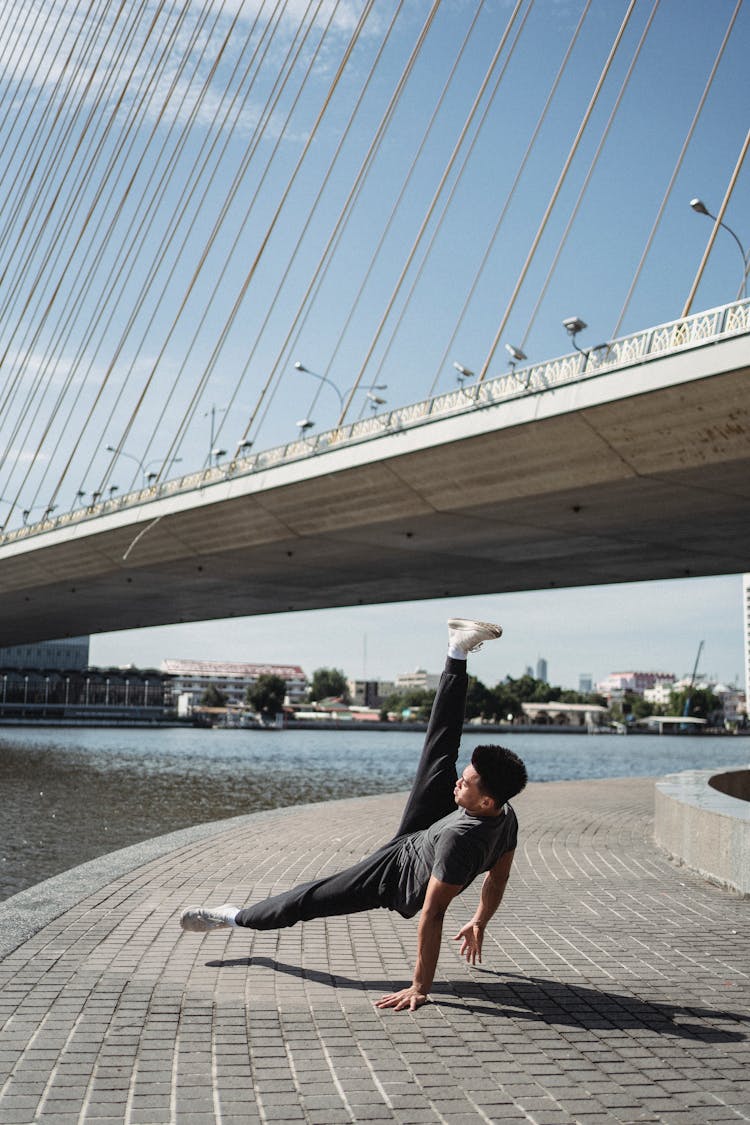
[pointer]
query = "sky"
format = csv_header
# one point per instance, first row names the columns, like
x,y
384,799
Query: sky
x,y
185,212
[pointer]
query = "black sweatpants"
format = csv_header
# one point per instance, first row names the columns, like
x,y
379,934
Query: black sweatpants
x,y
364,885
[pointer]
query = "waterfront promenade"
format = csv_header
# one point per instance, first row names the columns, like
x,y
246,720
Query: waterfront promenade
x,y
615,984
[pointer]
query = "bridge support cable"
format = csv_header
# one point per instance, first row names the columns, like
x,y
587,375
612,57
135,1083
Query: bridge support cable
x,y
492,241
326,258
433,204
101,307
678,165
558,187
273,380
426,134
44,288
186,56
80,275
587,178
160,266
92,254
719,219
33,188
239,299
437,225
148,206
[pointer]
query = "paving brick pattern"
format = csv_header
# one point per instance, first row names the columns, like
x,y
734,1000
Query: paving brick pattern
x,y
614,987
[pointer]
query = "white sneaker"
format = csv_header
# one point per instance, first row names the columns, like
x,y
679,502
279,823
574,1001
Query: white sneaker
x,y
470,635
200,919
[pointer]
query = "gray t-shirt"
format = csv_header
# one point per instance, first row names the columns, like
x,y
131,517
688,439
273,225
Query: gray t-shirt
x,y
455,850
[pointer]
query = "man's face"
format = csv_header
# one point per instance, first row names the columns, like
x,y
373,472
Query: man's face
x,y
468,794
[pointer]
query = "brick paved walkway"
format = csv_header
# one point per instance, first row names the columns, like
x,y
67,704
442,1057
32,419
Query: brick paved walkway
x,y
614,987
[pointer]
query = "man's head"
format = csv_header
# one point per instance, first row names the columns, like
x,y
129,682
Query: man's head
x,y
501,773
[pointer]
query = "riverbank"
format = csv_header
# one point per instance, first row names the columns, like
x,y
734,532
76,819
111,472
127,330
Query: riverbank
x,y
363,727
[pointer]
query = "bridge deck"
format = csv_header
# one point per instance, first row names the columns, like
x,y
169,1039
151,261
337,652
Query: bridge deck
x,y
637,472
615,986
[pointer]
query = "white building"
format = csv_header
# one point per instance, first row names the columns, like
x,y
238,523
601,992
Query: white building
x,y
659,695
233,679
418,680
617,683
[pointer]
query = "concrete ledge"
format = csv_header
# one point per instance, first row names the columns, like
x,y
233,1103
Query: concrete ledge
x,y
702,819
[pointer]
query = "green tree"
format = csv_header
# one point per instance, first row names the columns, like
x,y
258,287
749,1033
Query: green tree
x,y
703,703
267,694
505,703
479,700
213,696
417,701
329,683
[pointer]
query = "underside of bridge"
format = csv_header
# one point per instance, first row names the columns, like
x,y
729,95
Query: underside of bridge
x,y
651,486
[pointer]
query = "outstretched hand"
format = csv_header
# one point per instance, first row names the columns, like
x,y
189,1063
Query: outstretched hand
x,y
410,998
471,936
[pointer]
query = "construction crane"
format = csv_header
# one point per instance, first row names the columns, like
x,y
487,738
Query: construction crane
x,y
689,696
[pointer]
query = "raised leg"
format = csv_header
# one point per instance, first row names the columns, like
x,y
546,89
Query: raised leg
x,y
431,796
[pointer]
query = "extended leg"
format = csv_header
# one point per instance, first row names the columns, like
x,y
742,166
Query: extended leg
x,y
347,892
431,796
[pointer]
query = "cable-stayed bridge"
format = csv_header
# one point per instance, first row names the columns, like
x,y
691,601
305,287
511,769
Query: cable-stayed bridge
x,y
630,464
219,217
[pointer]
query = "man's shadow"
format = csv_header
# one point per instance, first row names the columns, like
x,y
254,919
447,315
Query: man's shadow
x,y
550,1002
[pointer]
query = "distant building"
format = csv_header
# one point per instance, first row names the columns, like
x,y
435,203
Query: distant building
x,y
541,669
661,692
370,693
419,680
585,683
233,679
84,695
617,683
69,654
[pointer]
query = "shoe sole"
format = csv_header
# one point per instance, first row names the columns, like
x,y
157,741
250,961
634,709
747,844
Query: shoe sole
x,y
466,623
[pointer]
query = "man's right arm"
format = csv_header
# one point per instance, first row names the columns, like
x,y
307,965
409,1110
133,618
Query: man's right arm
x,y
493,888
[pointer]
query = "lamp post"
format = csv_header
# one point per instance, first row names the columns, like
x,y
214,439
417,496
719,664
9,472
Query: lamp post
x,y
700,208
374,399
573,325
212,452
147,476
516,356
47,510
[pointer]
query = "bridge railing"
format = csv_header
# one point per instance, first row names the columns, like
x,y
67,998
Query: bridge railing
x,y
640,347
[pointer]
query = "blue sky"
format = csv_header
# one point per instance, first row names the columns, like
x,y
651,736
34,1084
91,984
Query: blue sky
x,y
161,248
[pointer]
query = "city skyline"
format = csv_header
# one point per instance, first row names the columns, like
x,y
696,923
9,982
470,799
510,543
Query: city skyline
x,y
654,626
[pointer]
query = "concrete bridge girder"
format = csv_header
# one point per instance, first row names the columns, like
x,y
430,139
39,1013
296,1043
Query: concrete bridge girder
x,y
640,473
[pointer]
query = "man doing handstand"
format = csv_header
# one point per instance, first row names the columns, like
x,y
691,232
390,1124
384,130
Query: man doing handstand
x,y
438,850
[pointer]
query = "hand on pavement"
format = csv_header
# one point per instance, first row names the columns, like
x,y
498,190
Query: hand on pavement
x,y
410,998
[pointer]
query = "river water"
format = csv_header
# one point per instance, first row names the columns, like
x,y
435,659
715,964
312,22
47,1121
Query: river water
x,y
69,795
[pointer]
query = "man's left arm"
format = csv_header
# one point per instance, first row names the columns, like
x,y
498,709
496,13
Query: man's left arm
x,y
493,888
438,898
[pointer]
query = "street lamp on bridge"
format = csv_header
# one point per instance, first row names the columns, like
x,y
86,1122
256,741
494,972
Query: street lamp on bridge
x,y
375,400
700,208
573,325
147,476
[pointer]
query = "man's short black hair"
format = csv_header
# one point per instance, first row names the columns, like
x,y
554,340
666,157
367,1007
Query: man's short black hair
x,y
502,774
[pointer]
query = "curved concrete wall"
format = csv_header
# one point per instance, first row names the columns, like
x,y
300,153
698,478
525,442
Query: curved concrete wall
x,y
702,819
